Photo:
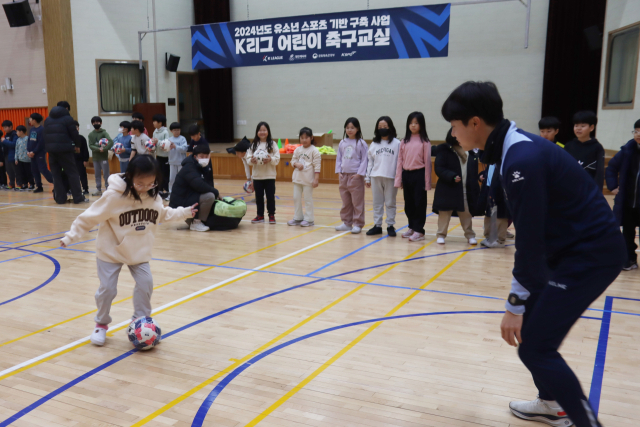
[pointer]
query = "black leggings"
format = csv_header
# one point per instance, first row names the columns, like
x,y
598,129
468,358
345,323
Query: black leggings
x,y
415,199
575,282
268,186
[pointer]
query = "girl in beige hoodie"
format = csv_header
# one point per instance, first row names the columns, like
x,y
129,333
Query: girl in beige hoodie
x,y
128,214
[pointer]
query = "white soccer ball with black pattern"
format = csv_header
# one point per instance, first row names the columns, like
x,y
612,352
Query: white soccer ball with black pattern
x,y
144,333
260,156
118,148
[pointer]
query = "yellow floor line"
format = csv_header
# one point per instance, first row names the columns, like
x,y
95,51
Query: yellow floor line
x,y
157,287
238,362
352,344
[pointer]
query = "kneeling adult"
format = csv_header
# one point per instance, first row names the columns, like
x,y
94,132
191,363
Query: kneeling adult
x,y
194,184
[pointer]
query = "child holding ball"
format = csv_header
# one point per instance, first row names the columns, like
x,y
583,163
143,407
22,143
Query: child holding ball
x,y
306,163
264,174
128,214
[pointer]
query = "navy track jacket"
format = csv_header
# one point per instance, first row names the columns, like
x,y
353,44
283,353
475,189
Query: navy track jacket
x,y
558,210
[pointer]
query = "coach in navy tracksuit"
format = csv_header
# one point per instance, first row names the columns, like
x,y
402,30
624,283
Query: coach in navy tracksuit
x,y
568,248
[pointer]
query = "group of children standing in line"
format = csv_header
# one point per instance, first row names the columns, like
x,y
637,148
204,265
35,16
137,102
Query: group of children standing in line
x,y
389,164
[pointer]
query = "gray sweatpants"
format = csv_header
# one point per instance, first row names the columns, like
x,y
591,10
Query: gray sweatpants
x,y
108,274
101,167
384,194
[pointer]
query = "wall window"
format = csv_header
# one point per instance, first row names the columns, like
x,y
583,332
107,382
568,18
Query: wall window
x,y
622,67
121,84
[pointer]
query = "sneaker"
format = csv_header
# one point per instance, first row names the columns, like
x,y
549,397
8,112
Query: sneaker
x,y
306,223
17,189
38,190
85,200
8,188
407,233
543,411
85,193
440,241
510,235
356,230
197,225
294,222
416,237
272,219
391,231
257,219
492,245
343,227
99,335
97,193
374,231
473,241
630,265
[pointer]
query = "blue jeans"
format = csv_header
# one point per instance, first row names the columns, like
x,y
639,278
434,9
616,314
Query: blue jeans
x,y
39,166
123,166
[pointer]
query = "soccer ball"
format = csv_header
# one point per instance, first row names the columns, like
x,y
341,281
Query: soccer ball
x,y
118,148
103,142
260,156
144,333
166,145
246,187
151,146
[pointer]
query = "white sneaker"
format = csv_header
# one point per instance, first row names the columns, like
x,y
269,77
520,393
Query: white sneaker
x,y
99,336
440,241
343,227
356,230
197,225
407,233
416,237
543,411
473,241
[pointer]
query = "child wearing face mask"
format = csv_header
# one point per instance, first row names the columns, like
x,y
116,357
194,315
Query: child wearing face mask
x,y
381,173
100,154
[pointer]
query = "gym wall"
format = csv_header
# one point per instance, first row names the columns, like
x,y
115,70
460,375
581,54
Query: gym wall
x,y
486,43
108,30
22,59
615,125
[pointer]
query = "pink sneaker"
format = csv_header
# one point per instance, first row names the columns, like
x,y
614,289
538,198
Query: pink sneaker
x,y
416,237
407,233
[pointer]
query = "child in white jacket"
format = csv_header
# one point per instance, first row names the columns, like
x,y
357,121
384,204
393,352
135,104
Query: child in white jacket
x,y
264,157
128,214
381,173
306,162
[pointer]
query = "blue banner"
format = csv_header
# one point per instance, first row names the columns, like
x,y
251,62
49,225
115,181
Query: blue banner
x,y
395,33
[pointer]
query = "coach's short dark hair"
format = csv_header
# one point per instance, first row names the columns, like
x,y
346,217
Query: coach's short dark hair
x,y
474,99
549,122
588,117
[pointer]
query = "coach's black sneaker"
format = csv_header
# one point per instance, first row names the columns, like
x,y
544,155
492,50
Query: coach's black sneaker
x,y
543,411
391,231
376,229
630,265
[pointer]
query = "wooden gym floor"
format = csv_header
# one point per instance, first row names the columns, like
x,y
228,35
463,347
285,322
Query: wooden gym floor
x,y
284,326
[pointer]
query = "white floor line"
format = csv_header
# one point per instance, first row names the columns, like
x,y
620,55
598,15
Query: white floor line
x,y
201,291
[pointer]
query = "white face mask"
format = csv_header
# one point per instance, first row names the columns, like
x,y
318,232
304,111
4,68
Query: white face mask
x,y
203,162
120,130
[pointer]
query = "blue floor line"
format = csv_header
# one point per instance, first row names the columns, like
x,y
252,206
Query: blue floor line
x,y
206,404
601,355
56,268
